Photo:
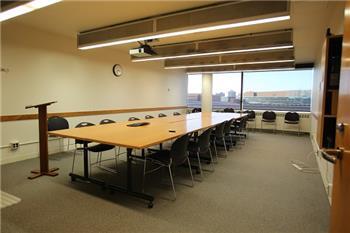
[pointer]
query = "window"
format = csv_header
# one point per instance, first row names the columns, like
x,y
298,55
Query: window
x,y
194,90
278,90
226,91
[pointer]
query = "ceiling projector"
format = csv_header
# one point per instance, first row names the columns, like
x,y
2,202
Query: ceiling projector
x,y
142,51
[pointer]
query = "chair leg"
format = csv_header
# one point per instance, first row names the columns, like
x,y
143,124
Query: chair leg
x,y
75,151
223,140
211,160
172,181
200,166
216,152
189,165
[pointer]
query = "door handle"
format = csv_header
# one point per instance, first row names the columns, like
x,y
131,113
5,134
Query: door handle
x,y
331,155
340,127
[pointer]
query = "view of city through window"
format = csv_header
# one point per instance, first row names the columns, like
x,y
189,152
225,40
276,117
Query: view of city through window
x,y
226,91
194,90
278,90
274,90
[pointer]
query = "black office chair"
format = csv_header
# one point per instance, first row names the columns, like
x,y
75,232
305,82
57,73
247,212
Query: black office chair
x,y
100,148
228,134
133,119
292,118
176,156
251,116
218,137
196,110
269,118
229,110
79,144
149,117
201,147
176,114
161,115
57,123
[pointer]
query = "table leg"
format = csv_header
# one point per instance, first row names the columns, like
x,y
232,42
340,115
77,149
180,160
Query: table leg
x,y
127,190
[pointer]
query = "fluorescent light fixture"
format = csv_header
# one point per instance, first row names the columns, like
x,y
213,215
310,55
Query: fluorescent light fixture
x,y
189,31
214,53
25,8
229,64
239,71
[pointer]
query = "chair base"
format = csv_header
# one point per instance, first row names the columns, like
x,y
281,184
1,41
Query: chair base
x,y
38,173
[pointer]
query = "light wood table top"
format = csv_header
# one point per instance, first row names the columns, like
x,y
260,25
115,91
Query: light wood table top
x,y
156,132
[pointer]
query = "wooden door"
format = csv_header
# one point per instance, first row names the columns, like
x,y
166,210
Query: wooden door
x,y
340,210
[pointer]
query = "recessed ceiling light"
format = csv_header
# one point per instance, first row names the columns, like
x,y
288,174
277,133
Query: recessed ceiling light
x,y
25,8
214,53
189,31
229,64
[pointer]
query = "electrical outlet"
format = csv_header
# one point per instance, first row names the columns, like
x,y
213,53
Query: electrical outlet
x,y
14,145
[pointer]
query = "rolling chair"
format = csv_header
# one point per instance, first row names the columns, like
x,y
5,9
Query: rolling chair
x,y
100,148
79,144
251,117
229,110
196,110
149,117
201,147
176,156
57,123
161,115
269,118
176,114
218,137
292,118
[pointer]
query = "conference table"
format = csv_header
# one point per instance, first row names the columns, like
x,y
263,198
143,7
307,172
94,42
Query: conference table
x,y
157,131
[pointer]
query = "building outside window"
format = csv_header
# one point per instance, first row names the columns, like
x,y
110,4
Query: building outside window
x,y
226,91
278,90
194,90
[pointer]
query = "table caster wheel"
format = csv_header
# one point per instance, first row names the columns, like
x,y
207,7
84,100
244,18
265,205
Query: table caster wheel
x,y
150,205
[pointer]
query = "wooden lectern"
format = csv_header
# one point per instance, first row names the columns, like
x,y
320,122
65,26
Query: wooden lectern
x,y
44,154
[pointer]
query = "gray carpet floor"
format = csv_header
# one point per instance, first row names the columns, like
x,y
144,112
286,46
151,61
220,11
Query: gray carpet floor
x,y
254,189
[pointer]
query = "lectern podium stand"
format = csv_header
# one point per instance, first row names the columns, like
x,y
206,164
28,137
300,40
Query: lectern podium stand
x,y
44,157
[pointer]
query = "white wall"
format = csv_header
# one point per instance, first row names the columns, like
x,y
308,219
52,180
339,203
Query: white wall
x,y
334,21
45,67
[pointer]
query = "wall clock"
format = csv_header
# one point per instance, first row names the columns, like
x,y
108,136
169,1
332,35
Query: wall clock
x,y
117,70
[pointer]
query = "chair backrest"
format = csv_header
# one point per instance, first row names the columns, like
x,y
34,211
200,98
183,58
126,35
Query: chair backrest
x,y
229,110
227,126
196,110
80,125
251,114
292,116
219,130
161,115
57,123
269,115
204,141
133,119
178,151
176,114
149,117
106,121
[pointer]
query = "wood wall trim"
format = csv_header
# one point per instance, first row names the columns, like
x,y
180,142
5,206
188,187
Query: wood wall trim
x,y
85,113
